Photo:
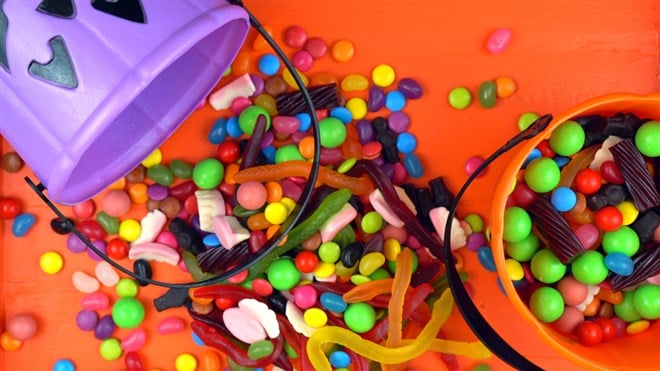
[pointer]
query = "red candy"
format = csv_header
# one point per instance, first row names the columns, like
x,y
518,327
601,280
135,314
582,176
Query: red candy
x,y
295,37
262,287
117,248
316,47
132,362
608,327
228,152
306,261
546,150
609,219
9,208
302,60
587,181
523,195
589,333
84,209
91,229
611,173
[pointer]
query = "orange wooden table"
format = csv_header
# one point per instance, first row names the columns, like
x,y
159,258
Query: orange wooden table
x,y
562,52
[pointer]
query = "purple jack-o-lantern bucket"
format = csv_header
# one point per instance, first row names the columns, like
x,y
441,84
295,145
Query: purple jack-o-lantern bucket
x,y
89,88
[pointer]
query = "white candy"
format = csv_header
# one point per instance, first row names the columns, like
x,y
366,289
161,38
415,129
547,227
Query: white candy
x,y
210,204
229,231
438,217
240,87
83,282
150,226
603,153
154,251
264,315
383,209
106,274
335,223
295,317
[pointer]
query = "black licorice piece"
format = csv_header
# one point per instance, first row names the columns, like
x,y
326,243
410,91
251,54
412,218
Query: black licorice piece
x,y
357,204
623,125
411,191
645,225
351,254
597,201
637,178
594,129
173,298
425,205
323,97
142,268
442,196
277,302
551,224
217,260
186,236
615,193
60,226
387,138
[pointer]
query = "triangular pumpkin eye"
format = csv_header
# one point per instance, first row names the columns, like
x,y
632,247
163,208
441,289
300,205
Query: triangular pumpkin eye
x,y
4,23
130,10
58,8
59,70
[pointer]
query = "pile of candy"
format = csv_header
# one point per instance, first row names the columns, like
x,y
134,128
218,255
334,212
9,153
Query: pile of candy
x,y
582,228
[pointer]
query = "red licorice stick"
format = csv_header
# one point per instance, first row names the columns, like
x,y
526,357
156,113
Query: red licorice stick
x,y
212,337
358,362
235,293
290,335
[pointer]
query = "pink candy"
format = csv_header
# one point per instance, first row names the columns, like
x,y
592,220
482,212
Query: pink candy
x,y
134,341
302,60
588,234
251,195
150,226
229,231
167,238
154,251
262,314
95,301
116,203
498,40
472,164
83,282
242,326
305,296
239,104
171,325
337,222
286,124
106,274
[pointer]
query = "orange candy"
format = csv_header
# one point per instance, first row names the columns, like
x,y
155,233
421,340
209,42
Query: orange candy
x,y
609,296
224,303
8,343
258,222
241,64
273,192
505,86
306,147
138,193
342,51
259,42
118,184
191,294
592,308
230,171
210,361
323,78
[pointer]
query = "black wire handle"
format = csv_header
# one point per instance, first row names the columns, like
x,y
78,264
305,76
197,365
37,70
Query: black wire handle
x,y
488,336
304,201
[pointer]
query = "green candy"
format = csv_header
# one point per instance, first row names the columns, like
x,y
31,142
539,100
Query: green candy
x,y
161,175
567,139
208,173
260,349
358,279
126,287
345,237
523,250
110,349
127,312
526,119
181,169
475,221
290,351
372,222
626,309
646,301
360,317
289,152
647,139
623,240
248,119
110,224
547,304
332,132
283,274
546,267
379,274
460,97
487,94
542,175
589,268
517,224
329,252
481,367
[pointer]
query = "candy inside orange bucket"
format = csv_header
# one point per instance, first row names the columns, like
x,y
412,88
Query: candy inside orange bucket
x,y
630,352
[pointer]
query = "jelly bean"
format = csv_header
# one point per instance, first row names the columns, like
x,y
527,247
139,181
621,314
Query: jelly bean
x,y
360,317
588,234
354,82
589,268
506,86
619,263
10,208
395,101
170,325
413,165
95,301
218,132
133,362
260,349
460,97
383,75
286,124
370,262
22,326
333,302
485,256
87,319
563,199
487,94
210,361
153,159
547,304
410,88
109,223
127,312
106,274
282,274
104,327
64,365
357,107
646,301
498,41
51,262
342,51
22,224
291,82
647,139
376,99
623,240
84,282
342,113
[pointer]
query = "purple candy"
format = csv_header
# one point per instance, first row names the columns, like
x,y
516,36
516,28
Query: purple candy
x,y
291,189
258,83
398,122
410,88
365,131
104,328
268,139
331,156
378,161
87,319
75,244
376,98
476,240
99,244
299,135
388,169
157,192
195,224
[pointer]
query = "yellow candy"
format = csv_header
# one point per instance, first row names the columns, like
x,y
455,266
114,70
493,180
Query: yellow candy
x,y
391,249
637,327
629,212
289,203
342,271
129,230
51,262
358,107
354,82
324,270
383,75
185,362
153,159
370,262
315,317
276,212
291,82
514,269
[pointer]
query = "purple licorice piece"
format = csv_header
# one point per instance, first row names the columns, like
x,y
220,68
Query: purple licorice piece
x,y
80,57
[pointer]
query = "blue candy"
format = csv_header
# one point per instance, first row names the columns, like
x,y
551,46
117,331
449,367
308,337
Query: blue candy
x,y
333,302
536,153
211,240
218,132
22,224
339,359
406,143
197,340
233,129
64,365
413,166
269,64
395,101
485,255
563,199
342,114
561,161
305,121
269,152
619,263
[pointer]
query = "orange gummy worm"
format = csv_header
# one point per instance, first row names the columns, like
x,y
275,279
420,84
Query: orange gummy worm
x,y
368,290
299,168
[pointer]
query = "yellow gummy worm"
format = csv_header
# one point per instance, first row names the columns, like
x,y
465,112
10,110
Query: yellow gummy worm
x,y
376,352
474,350
368,290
